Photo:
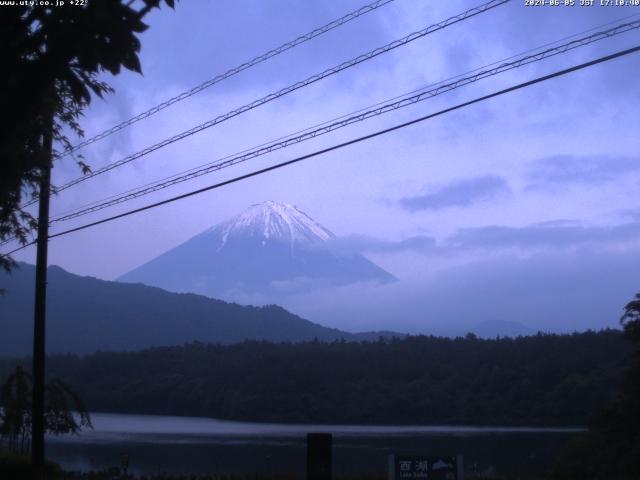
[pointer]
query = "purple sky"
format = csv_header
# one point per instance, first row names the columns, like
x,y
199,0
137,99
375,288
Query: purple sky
x,y
522,208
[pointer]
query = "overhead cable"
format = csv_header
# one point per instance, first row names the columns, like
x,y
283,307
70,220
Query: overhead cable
x,y
343,122
345,144
231,72
284,91
363,109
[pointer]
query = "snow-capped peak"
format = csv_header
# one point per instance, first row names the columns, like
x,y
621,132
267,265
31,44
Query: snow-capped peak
x,y
275,221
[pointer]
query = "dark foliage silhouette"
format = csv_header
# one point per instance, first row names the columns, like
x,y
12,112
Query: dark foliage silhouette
x,y
52,57
611,449
64,411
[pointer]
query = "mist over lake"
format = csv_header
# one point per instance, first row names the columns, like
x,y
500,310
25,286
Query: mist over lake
x,y
157,444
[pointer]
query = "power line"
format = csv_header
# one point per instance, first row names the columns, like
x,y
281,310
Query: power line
x,y
213,166
350,142
303,83
233,71
33,242
343,122
326,122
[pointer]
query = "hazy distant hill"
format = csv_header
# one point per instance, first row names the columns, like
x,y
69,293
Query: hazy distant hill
x,y
271,249
86,314
500,328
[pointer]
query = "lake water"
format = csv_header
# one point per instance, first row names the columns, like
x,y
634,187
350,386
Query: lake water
x,y
162,444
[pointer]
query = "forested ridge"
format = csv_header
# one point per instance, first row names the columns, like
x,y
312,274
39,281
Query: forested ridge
x,y
538,380
86,314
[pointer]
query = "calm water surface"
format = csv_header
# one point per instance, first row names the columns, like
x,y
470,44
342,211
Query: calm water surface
x,y
157,444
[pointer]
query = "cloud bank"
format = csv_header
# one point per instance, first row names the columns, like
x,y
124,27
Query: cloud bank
x,y
588,169
459,193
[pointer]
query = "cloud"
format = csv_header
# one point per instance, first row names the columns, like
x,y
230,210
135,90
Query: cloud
x,y
460,193
549,291
361,243
631,213
572,169
548,234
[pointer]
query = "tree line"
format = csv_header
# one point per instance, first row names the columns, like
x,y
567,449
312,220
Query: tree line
x,y
538,380
610,450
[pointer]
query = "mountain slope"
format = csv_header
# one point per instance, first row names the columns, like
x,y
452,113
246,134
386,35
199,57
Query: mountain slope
x,y
86,314
271,249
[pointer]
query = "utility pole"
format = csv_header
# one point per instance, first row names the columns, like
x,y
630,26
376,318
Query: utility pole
x,y
40,306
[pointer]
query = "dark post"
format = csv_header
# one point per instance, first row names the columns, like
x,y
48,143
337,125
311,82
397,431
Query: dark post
x,y
37,426
319,456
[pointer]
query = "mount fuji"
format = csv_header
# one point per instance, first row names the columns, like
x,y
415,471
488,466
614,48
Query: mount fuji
x,y
269,251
